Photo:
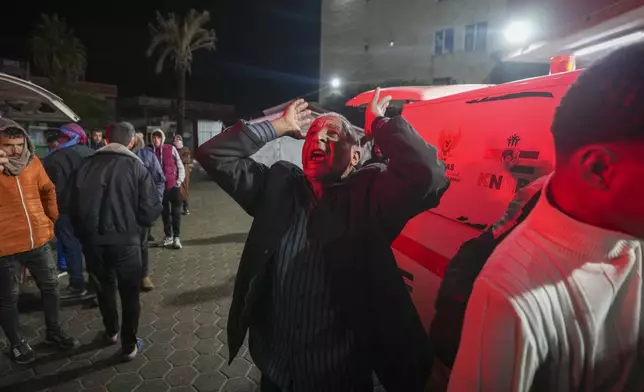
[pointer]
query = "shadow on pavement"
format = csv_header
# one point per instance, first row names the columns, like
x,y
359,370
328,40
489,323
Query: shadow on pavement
x,y
50,381
31,302
239,238
204,294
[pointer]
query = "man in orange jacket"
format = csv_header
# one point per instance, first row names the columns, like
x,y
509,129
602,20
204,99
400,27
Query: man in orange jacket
x,y
27,213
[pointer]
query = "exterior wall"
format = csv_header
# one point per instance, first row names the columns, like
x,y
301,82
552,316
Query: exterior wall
x,y
356,36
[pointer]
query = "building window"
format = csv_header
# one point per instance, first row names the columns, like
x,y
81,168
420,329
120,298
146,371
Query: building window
x,y
443,81
476,37
444,41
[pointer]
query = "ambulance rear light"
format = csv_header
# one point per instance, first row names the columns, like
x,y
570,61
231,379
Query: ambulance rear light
x,y
563,63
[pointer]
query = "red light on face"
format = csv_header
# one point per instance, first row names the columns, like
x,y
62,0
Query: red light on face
x,y
563,63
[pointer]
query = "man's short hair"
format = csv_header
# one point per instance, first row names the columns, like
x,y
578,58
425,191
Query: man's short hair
x,y
11,129
52,138
121,133
12,133
349,131
95,131
604,105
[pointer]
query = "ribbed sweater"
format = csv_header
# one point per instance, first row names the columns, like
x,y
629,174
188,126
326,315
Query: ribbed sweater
x,y
558,307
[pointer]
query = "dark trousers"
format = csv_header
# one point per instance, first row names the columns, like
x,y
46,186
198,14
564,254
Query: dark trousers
x,y
72,250
111,268
171,215
145,254
42,266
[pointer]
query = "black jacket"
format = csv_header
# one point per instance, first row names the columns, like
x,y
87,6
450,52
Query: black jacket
x,y
111,196
61,164
458,282
356,221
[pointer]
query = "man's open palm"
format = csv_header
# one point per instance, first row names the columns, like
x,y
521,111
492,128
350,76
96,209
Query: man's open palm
x,y
377,108
297,116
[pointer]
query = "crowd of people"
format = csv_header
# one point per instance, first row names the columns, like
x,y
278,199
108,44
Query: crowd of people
x,y
99,198
549,298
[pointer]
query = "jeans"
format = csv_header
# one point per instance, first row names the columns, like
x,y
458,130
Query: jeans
x,y
171,215
112,268
145,254
62,263
72,251
42,266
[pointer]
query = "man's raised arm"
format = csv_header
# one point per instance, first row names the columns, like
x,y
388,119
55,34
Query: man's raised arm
x,y
414,180
226,157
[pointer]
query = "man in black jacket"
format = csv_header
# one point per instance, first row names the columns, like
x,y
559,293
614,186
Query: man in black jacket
x,y
465,266
60,165
317,284
113,198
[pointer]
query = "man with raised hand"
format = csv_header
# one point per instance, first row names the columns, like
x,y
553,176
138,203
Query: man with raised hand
x,y
317,284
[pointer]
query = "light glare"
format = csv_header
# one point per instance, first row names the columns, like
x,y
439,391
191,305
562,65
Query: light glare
x,y
518,32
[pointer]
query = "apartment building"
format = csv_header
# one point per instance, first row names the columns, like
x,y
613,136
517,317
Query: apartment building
x,y
435,41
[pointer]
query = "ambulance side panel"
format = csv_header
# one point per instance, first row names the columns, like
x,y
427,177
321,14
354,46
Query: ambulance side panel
x,y
494,141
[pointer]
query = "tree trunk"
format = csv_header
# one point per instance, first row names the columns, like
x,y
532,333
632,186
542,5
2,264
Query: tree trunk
x,y
181,99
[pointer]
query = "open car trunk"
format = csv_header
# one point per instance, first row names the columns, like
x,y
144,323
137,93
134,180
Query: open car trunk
x,y
23,101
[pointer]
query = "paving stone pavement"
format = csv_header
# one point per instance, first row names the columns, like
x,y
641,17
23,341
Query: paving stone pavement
x,y
182,321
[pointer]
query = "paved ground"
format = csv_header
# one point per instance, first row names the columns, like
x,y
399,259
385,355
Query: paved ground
x,y
182,321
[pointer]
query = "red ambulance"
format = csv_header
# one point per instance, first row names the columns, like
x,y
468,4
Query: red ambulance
x,y
494,140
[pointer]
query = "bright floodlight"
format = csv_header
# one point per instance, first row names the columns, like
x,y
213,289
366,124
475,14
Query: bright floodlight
x,y
336,83
518,32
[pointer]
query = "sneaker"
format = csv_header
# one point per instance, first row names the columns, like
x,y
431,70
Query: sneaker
x,y
134,353
177,243
61,340
71,292
167,241
186,212
111,339
146,284
22,354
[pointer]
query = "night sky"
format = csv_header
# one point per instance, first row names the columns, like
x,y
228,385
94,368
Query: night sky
x,y
267,50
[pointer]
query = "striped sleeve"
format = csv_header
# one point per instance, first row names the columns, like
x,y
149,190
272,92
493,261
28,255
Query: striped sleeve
x,y
263,130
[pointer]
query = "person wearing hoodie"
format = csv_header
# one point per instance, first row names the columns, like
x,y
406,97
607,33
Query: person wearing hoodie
x,y
175,174
60,164
154,167
113,199
186,158
28,211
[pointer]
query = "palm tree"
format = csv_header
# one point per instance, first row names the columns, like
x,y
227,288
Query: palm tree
x,y
175,40
57,53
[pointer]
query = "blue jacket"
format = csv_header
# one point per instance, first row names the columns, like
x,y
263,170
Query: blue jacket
x,y
152,164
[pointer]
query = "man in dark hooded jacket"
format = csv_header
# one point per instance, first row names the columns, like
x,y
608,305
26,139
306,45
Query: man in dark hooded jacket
x,y
60,164
112,199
